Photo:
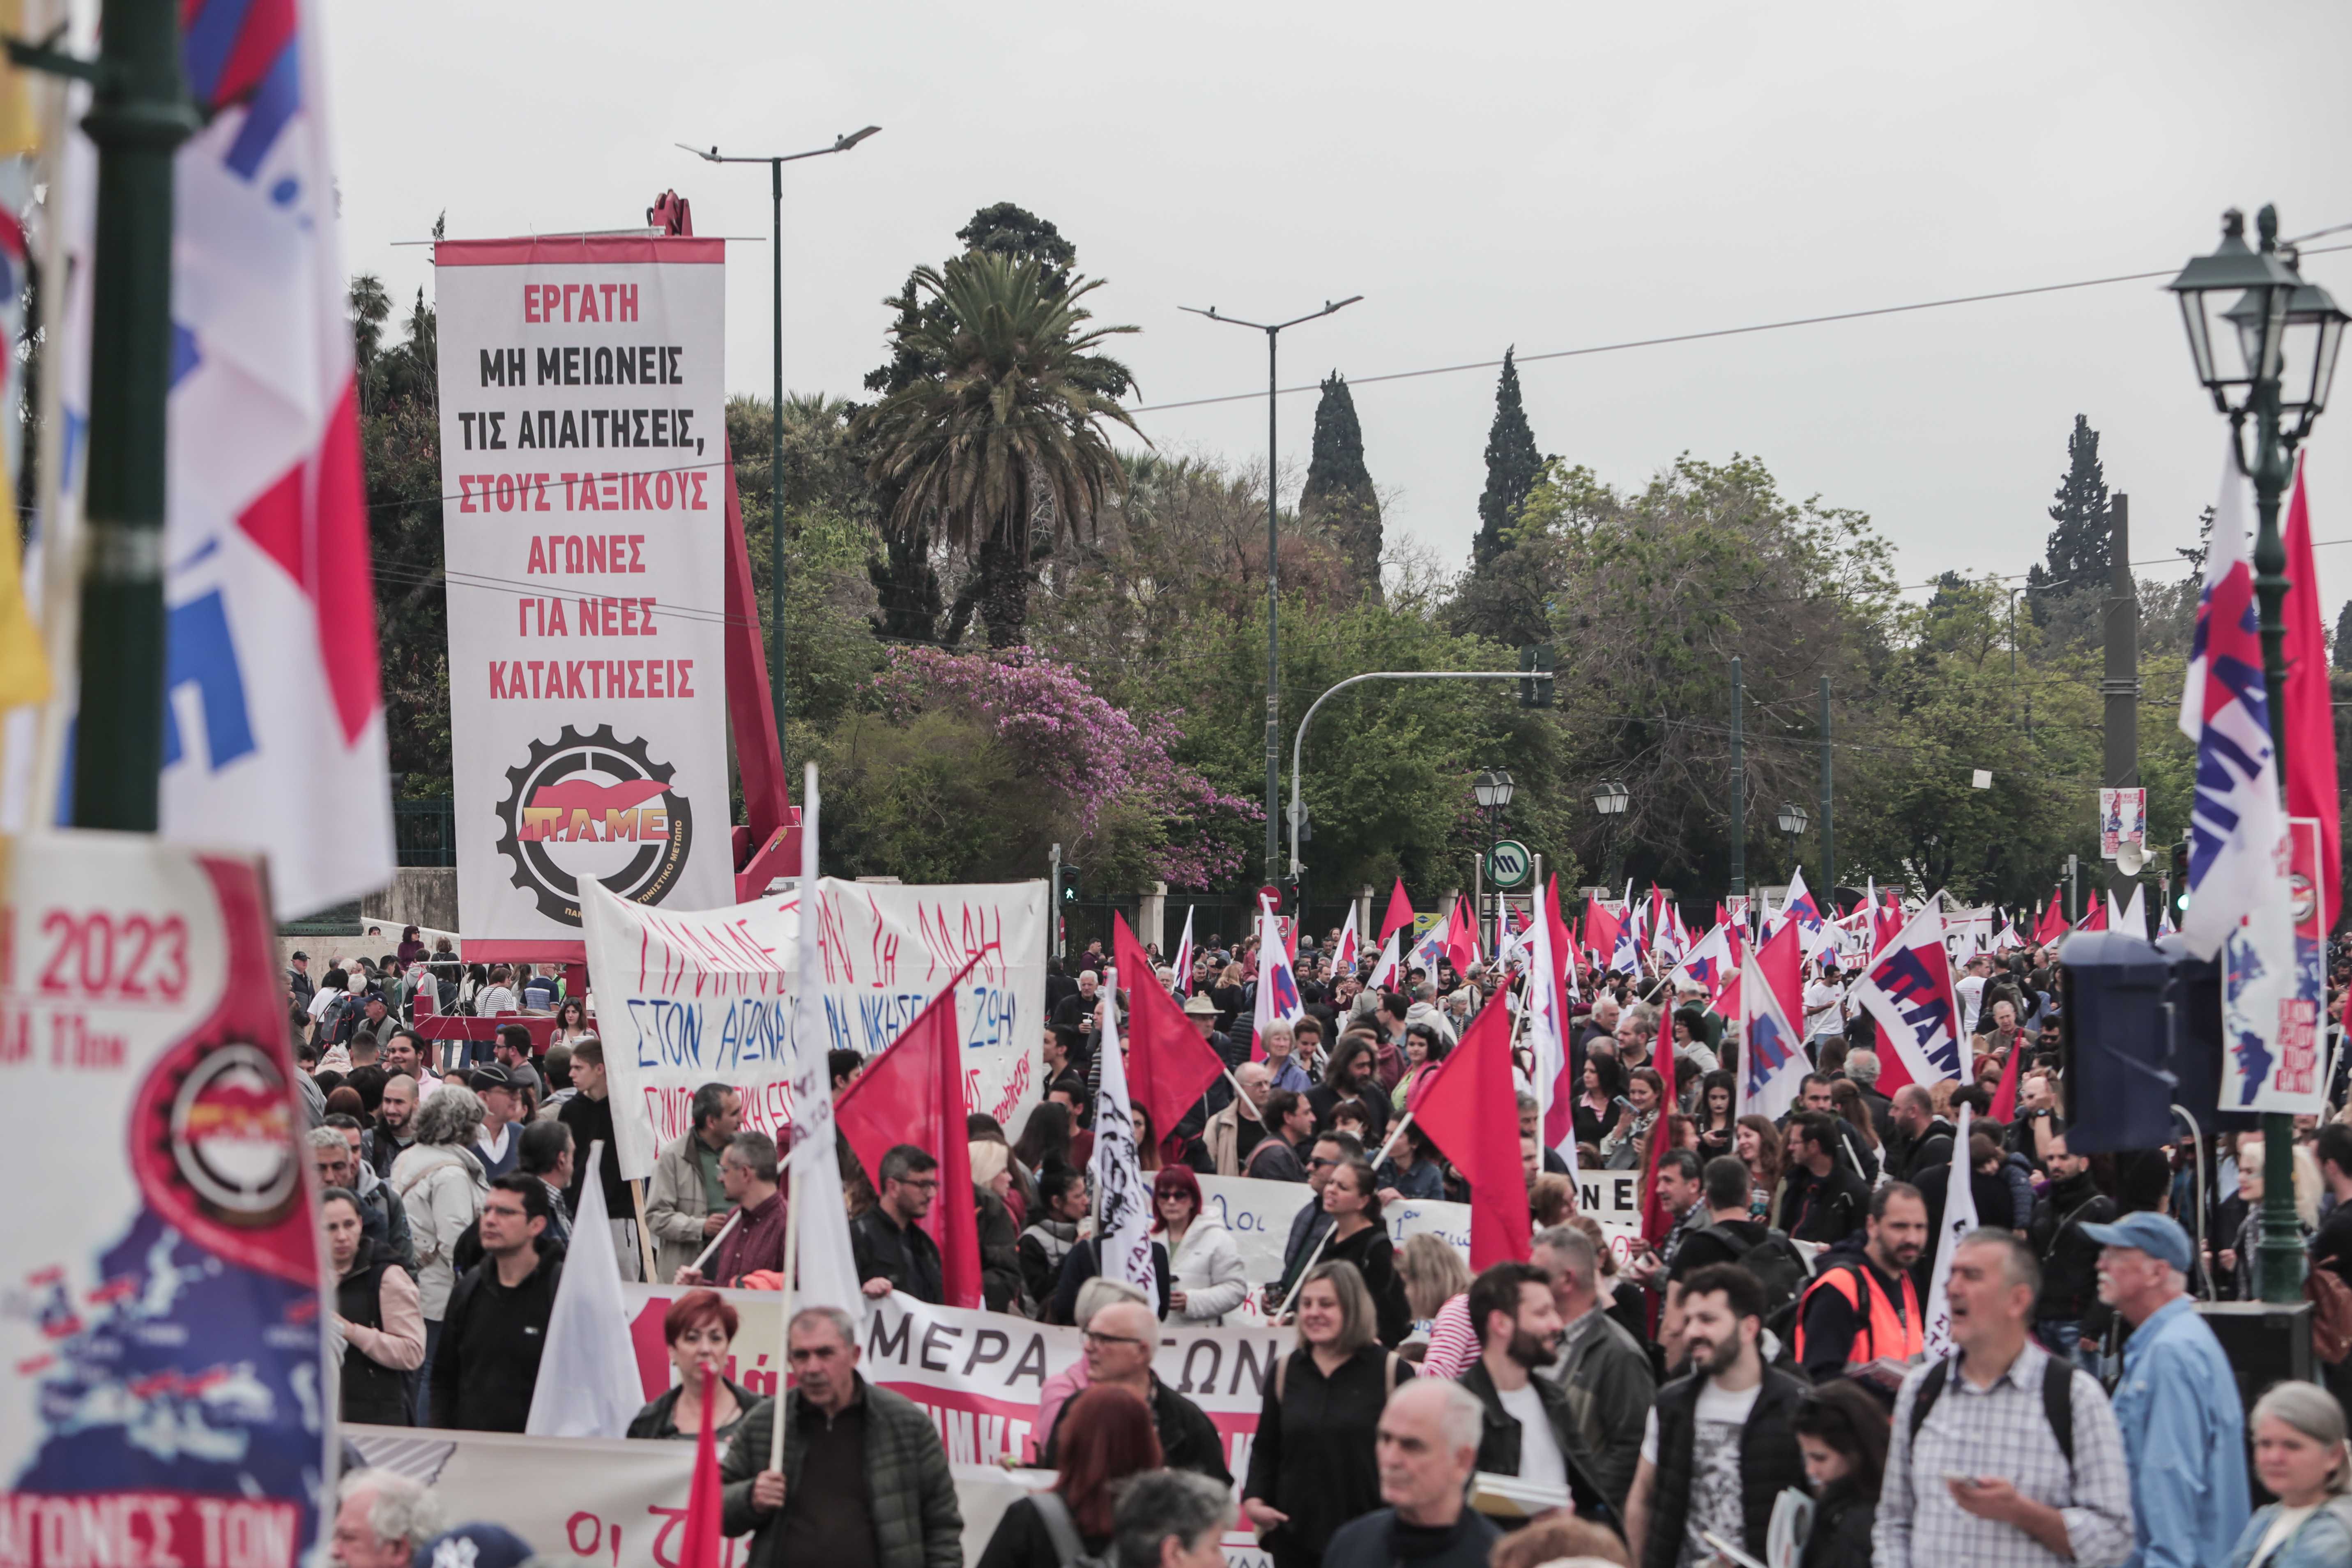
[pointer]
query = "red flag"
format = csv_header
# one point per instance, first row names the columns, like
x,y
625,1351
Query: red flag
x,y
699,1546
1471,1111
2052,924
2310,715
1400,913
1168,1063
1600,930
1461,939
1559,1117
1781,959
2097,919
1657,1221
913,1093
2004,1099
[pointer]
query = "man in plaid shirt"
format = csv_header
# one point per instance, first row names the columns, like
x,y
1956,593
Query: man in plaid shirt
x,y
1986,1481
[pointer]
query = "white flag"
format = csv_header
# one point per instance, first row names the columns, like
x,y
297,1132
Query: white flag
x,y
1959,1218
828,1271
588,1385
1122,1197
1389,969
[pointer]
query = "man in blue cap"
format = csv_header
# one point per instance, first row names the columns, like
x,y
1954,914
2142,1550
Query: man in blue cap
x,y
2184,1432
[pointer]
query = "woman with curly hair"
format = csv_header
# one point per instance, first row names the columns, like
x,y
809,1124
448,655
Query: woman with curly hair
x,y
1758,1145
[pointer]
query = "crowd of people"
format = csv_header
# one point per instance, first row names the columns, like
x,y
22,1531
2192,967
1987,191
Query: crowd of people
x,y
1610,1398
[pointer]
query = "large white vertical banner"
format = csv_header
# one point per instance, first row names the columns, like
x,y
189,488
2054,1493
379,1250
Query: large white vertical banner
x,y
582,438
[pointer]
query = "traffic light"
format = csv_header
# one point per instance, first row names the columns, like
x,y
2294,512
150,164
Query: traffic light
x,y
1536,658
1073,884
2178,897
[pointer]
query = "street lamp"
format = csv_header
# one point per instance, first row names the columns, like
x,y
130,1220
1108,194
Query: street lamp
x,y
1610,798
1492,789
2276,360
776,457
1794,819
1273,648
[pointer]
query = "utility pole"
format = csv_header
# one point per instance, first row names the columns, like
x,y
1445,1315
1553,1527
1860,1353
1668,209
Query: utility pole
x,y
1273,332
1828,834
2121,687
1739,797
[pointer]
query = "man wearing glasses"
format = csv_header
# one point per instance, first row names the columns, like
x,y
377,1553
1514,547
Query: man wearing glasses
x,y
891,1250
1118,1343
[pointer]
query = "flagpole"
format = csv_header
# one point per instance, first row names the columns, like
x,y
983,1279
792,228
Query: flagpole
x,y
720,1239
784,1328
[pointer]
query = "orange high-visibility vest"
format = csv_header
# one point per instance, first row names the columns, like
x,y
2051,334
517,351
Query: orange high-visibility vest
x,y
1886,1330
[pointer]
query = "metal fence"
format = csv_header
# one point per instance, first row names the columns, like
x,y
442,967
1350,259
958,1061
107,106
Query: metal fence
x,y
425,832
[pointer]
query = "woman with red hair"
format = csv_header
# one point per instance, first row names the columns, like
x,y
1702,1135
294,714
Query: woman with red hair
x,y
700,1328
1204,1262
1105,1436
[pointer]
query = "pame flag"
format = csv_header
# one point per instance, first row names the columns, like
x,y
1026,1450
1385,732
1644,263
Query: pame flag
x,y
1908,989
274,725
2240,903
1772,1060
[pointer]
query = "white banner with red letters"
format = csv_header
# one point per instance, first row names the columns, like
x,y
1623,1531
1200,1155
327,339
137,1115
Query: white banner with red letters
x,y
584,439
610,1502
687,999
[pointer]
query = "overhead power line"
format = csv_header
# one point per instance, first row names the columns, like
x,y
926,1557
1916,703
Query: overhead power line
x,y
1701,337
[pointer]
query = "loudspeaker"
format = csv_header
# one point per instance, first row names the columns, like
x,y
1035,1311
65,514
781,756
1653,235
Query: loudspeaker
x,y
2115,1041
2198,1047
2266,1343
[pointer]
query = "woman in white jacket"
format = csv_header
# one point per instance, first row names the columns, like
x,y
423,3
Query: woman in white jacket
x,y
1204,1263
441,1186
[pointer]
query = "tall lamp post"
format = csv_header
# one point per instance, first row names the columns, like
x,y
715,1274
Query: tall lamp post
x,y
1493,789
776,456
1272,648
1610,798
2280,339
1793,822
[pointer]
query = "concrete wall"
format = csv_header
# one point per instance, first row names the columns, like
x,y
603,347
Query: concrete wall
x,y
419,895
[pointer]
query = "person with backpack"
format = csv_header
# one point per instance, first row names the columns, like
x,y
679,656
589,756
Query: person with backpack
x,y
1731,1235
1070,1524
1862,1306
2003,1453
1311,1467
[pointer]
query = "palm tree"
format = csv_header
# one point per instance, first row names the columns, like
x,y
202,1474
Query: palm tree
x,y
1012,421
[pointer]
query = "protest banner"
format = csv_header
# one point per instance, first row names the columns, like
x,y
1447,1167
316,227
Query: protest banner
x,y
687,997
611,1503
163,1348
980,1375
587,656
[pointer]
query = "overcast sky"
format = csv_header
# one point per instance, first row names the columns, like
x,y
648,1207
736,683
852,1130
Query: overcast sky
x,y
1554,176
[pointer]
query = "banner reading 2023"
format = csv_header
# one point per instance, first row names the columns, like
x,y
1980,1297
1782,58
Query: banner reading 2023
x,y
583,453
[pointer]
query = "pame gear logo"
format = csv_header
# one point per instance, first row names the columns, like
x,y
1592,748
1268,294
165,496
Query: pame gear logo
x,y
593,806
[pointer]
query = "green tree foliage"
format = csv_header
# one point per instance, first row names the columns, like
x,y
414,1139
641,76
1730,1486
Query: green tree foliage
x,y
1006,435
1339,498
400,440
2342,646
1513,466
2067,593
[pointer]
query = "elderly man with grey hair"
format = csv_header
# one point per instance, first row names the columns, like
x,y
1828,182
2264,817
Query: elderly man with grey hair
x,y
863,1477
1427,1450
687,1203
1862,1067
384,1519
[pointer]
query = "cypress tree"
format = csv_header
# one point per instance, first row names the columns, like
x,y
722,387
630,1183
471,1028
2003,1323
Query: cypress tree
x,y
2344,637
2078,545
1512,465
1339,494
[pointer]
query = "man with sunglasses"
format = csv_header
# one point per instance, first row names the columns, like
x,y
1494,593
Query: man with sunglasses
x,y
1118,1343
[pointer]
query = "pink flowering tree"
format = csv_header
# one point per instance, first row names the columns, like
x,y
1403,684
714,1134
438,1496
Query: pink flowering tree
x,y
1137,809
